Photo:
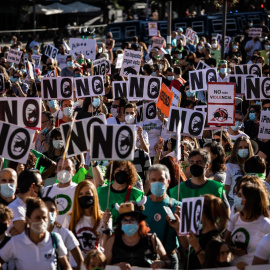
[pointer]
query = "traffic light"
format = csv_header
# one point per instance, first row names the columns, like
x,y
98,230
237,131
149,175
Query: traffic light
x,y
262,6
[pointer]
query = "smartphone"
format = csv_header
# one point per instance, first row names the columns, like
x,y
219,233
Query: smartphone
x,y
169,213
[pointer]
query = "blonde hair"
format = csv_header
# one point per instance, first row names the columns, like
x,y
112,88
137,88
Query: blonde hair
x,y
95,253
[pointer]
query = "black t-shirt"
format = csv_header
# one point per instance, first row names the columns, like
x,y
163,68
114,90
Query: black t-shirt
x,y
210,62
265,148
4,202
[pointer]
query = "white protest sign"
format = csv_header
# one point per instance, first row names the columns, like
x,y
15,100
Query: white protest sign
x,y
149,111
16,142
23,112
203,108
131,63
255,32
222,115
89,86
178,151
80,135
119,60
66,46
57,88
14,56
143,87
202,65
36,58
264,130
158,42
192,121
191,215
112,142
152,29
99,67
227,40
176,98
30,69
190,34
248,267
199,78
240,82
85,46
2,83
51,74
257,88
220,93
51,51
252,69
120,89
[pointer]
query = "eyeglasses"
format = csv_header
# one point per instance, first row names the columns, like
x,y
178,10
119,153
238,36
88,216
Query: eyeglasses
x,y
216,140
266,108
129,221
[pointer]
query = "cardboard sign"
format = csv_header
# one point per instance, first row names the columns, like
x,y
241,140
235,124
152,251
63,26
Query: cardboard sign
x,y
221,104
14,56
264,130
158,42
143,87
149,111
90,86
57,88
119,61
15,142
2,83
99,67
120,89
192,121
87,47
30,69
251,69
108,67
51,51
199,78
131,63
51,74
139,114
176,97
23,112
178,149
80,136
190,34
152,29
202,65
191,215
227,40
36,58
257,88
240,82
203,108
165,99
112,142
255,32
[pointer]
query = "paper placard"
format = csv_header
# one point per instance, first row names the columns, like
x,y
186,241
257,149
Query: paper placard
x,y
131,63
202,65
120,89
14,56
51,51
87,47
165,99
149,111
257,88
255,32
158,42
240,82
251,69
36,58
152,29
190,34
176,97
264,130
227,40
119,61
99,67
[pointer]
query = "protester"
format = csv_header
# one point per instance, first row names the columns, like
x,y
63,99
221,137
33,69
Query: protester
x,y
8,185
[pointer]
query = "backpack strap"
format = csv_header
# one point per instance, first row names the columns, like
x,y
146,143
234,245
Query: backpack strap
x,y
54,241
117,120
5,240
48,191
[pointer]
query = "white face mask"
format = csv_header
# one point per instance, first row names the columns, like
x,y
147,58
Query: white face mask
x,y
58,144
130,119
214,45
64,176
39,227
68,111
52,217
114,112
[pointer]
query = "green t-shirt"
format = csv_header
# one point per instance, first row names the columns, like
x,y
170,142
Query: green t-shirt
x,y
116,197
216,54
210,187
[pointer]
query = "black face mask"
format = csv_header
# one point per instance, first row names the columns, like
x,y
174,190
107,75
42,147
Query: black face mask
x,y
196,170
86,201
40,192
121,177
3,228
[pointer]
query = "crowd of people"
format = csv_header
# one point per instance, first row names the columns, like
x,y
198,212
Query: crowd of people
x,y
60,212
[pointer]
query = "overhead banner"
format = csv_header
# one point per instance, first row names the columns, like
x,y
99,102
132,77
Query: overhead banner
x,y
51,51
257,88
191,215
80,135
112,142
255,32
202,65
87,47
165,100
149,111
221,104
14,56
192,121
15,142
143,87
199,78
251,69
190,34
99,67
89,86
240,82
120,89
23,112
264,130
2,83
57,88
152,29
131,63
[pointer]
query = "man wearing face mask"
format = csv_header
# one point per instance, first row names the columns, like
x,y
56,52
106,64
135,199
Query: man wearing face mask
x,y
178,82
158,177
68,71
20,89
63,192
222,75
8,184
55,109
30,185
67,107
117,111
252,45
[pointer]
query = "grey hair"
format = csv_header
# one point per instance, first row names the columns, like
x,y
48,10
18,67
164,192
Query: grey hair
x,y
159,167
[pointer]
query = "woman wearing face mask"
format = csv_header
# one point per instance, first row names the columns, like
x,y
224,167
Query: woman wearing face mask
x,y
226,142
192,96
215,50
124,177
20,89
90,225
70,241
26,248
242,151
222,75
56,145
247,227
132,245
199,52
252,125
235,52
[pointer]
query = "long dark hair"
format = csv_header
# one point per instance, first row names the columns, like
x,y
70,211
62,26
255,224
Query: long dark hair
x,y
218,164
54,134
226,138
88,101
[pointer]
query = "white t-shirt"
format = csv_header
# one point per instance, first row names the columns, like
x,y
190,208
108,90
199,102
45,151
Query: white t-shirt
x,y
58,113
18,208
263,248
232,173
64,199
248,234
28,255
219,79
234,137
112,121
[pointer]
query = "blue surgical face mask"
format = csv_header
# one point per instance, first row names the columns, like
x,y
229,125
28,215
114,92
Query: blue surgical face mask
x,y
267,47
179,56
23,71
237,125
252,116
190,94
243,153
78,75
53,104
154,74
70,64
12,79
158,188
18,48
7,190
200,47
223,70
12,41
36,51
68,111
52,217
26,55
235,47
129,229
170,78
96,102
238,203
